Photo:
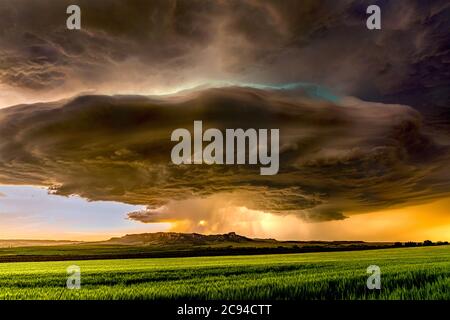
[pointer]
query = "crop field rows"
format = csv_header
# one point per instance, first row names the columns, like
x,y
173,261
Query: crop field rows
x,y
406,273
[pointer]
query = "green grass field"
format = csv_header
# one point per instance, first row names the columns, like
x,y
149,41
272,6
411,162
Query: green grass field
x,y
406,273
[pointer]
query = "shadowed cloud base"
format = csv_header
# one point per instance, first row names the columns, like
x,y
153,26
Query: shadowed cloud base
x,y
335,158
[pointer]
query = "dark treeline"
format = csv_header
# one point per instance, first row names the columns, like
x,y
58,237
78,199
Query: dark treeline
x,y
426,243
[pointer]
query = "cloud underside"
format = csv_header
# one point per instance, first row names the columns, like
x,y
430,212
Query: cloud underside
x,y
335,159
141,46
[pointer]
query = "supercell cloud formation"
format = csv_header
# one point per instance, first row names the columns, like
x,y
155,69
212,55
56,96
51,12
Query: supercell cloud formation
x,y
112,142
334,158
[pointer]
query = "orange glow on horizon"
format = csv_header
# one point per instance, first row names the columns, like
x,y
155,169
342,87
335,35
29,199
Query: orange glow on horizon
x,y
413,223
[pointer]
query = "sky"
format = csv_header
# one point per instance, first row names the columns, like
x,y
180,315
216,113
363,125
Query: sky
x,y
363,116
30,212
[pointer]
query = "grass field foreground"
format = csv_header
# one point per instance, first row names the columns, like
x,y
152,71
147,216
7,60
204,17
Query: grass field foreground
x,y
406,273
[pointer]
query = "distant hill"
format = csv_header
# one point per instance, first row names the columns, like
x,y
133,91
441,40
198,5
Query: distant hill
x,y
229,240
172,244
174,238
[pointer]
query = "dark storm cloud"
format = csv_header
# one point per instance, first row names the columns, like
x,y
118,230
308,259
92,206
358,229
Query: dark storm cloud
x,y
335,159
137,46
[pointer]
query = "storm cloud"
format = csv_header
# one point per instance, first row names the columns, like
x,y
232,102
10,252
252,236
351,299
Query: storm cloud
x,y
336,158
145,47
140,69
